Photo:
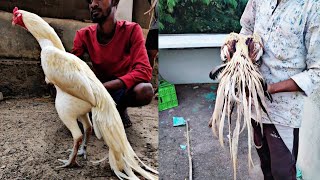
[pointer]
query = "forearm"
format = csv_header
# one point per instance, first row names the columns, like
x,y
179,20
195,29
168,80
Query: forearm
x,y
114,84
283,86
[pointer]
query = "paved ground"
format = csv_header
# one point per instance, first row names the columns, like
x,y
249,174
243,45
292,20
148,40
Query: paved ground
x,y
210,160
32,138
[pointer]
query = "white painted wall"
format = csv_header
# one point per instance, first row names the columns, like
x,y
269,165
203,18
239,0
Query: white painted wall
x,y
185,66
181,41
188,58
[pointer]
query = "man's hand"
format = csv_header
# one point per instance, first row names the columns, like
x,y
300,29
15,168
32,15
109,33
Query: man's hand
x,y
114,84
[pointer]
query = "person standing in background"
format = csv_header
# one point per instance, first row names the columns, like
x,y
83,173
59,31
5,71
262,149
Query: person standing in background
x,y
290,31
152,38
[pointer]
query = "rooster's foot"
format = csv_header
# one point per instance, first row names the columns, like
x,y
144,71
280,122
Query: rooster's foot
x,y
81,152
68,164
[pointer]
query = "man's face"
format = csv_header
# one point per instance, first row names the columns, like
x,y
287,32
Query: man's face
x,y
100,10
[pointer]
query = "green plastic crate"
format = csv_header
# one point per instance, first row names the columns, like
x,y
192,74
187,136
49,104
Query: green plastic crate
x,y
167,96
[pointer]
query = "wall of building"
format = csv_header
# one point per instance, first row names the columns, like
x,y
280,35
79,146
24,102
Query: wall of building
x,y
70,9
77,9
139,8
186,66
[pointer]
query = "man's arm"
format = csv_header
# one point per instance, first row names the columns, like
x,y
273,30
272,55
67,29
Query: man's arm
x,y
308,80
141,70
114,84
288,85
78,48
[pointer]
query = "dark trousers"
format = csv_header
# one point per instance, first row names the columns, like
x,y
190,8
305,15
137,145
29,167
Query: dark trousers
x,y
277,162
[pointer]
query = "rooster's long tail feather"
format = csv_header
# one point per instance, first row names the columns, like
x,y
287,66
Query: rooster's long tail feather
x,y
109,124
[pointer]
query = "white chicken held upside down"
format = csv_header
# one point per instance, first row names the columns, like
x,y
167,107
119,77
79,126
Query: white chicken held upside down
x,y
79,92
242,86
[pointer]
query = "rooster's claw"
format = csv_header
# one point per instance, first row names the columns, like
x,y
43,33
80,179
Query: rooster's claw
x,y
68,164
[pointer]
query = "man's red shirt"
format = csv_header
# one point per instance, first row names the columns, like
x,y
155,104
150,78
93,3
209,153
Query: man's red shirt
x,y
124,57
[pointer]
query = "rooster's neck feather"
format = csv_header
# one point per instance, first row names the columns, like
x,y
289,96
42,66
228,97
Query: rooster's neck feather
x,y
45,43
41,30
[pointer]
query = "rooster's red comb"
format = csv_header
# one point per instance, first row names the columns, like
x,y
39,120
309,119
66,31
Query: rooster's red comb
x,y
15,9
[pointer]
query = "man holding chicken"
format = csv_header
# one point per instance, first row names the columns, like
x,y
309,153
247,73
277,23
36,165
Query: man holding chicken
x,y
119,57
291,66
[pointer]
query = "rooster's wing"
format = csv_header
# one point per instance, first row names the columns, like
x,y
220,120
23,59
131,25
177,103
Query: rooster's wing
x,y
69,73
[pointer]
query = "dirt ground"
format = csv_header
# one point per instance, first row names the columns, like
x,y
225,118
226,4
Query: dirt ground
x,y
32,138
210,160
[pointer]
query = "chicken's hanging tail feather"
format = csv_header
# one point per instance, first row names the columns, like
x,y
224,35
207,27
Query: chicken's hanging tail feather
x,y
236,75
241,85
109,124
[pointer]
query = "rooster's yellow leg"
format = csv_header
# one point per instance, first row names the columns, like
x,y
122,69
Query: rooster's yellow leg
x,y
71,162
87,126
70,120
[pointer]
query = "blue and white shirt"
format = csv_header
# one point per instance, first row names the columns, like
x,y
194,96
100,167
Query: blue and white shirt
x,y
291,37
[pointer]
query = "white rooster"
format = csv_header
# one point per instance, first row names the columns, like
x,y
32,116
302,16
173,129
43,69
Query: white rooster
x,y
242,86
79,92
